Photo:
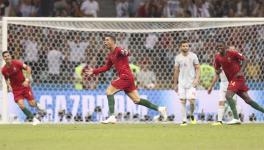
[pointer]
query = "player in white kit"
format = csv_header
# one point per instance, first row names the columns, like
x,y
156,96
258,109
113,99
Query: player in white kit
x,y
222,93
186,79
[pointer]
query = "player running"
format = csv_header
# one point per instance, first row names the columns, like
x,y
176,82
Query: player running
x,y
233,65
19,85
119,59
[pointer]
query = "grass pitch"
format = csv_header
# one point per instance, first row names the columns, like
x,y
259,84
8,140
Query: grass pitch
x,y
131,137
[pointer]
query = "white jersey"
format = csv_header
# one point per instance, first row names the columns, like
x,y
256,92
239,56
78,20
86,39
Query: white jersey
x,y
186,65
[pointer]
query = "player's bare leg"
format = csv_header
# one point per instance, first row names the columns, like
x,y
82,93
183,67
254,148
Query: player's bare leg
x,y
249,101
34,104
134,96
110,92
192,108
232,104
21,105
183,112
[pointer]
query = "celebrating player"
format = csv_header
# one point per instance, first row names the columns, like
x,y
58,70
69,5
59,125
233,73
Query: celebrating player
x,y
186,78
233,64
119,58
19,85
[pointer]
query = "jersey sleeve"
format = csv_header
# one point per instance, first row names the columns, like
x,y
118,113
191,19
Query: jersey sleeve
x,y
177,63
217,64
195,60
104,68
237,55
19,64
123,52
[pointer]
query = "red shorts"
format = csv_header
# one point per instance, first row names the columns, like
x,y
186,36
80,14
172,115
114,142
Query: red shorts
x,y
124,83
238,85
25,93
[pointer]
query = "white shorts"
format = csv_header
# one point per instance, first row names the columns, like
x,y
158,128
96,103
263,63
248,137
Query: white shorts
x,y
223,90
187,93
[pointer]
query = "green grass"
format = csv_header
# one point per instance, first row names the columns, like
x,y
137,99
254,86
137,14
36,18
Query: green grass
x,y
131,137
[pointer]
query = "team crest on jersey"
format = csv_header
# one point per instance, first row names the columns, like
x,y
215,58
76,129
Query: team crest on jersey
x,y
14,69
228,58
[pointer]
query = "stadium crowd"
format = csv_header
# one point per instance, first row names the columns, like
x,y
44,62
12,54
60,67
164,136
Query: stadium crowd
x,y
132,8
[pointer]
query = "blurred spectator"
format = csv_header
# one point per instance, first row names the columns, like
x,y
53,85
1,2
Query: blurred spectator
x,y
142,10
60,8
78,76
123,40
28,9
31,49
55,58
122,8
151,41
200,8
145,77
90,8
153,9
253,71
4,7
77,49
134,8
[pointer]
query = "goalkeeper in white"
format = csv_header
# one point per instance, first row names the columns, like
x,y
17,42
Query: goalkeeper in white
x,y
186,79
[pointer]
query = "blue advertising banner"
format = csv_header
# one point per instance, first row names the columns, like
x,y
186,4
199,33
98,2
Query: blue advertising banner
x,y
85,102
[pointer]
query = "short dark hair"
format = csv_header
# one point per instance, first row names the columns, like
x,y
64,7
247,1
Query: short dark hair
x,y
111,36
183,41
4,52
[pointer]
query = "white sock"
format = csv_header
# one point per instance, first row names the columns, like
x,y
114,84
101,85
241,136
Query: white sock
x,y
221,111
183,111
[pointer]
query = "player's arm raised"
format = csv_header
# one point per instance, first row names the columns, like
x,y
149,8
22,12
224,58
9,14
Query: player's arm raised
x,y
100,69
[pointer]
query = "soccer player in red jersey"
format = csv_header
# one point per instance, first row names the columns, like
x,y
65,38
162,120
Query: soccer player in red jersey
x,y
118,58
233,64
19,85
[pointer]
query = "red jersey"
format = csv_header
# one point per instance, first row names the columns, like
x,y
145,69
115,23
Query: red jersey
x,y
15,74
120,62
230,63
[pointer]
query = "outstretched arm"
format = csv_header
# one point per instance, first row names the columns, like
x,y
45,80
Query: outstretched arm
x,y
96,71
103,68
